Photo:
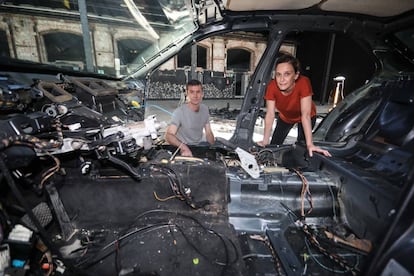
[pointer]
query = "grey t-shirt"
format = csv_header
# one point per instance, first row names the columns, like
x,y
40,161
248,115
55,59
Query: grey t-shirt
x,y
190,124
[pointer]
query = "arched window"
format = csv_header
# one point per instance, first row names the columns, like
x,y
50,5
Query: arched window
x,y
65,49
4,46
64,46
128,49
184,57
238,60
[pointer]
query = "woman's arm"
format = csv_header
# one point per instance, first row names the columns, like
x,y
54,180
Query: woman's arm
x,y
306,107
269,120
305,110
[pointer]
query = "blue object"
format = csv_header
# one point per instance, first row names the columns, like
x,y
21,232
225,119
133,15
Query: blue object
x,y
18,263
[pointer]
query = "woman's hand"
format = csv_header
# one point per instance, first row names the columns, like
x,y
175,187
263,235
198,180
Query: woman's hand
x,y
313,148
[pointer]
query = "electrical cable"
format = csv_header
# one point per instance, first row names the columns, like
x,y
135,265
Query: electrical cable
x,y
311,254
166,198
155,211
334,257
275,257
324,266
49,172
256,255
176,151
292,216
205,256
307,230
86,263
177,187
206,229
41,146
10,181
148,228
305,192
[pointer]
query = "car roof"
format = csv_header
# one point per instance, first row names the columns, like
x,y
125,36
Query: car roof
x,y
377,8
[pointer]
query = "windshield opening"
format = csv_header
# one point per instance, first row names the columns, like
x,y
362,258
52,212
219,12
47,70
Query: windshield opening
x,y
111,37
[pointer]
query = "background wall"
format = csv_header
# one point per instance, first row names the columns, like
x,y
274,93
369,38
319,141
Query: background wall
x,y
221,70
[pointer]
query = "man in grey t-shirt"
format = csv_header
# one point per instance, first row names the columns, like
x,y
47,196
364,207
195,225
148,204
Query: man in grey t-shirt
x,y
189,120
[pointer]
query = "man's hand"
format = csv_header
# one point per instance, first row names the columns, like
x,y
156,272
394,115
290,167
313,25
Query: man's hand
x,y
171,138
185,150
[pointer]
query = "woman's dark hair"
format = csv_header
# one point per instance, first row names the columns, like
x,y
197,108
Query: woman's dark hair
x,y
284,57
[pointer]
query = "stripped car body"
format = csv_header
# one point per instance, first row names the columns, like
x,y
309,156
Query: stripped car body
x,y
88,188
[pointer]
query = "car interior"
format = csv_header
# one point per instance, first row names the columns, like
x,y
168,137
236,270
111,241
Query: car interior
x,y
88,185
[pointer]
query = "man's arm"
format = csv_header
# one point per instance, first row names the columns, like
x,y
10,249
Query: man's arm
x,y
171,138
209,133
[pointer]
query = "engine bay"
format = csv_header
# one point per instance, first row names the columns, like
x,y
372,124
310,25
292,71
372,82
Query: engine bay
x,y
89,187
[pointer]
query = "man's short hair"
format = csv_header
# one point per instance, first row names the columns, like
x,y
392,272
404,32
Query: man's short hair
x,y
193,83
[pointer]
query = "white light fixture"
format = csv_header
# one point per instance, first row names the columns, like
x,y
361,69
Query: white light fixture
x,y
339,90
339,78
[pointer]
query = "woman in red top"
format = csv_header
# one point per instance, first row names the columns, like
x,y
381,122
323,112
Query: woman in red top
x,y
291,94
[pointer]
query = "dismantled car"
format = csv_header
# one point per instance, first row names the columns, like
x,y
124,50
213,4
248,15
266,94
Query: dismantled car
x,y
89,187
